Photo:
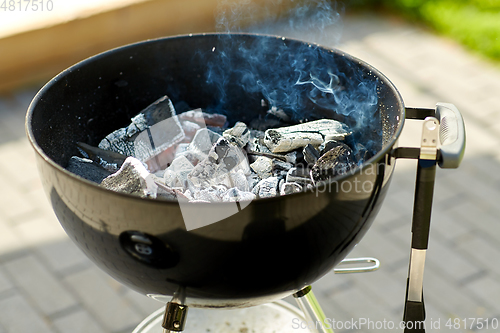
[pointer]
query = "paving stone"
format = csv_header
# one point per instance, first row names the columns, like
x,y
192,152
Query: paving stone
x,y
40,285
383,286
102,301
61,256
10,242
488,289
39,230
468,213
17,315
12,201
332,282
5,283
78,322
450,261
451,298
385,249
144,305
482,252
361,305
445,228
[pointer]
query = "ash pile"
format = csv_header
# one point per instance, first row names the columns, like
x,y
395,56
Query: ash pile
x,y
194,156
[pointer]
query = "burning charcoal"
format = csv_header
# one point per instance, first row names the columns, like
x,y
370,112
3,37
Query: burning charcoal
x,y
238,135
263,166
86,168
236,195
253,179
177,173
311,155
285,139
280,168
337,161
204,119
298,175
108,160
222,159
290,188
202,142
328,145
122,140
239,180
256,145
267,188
132,178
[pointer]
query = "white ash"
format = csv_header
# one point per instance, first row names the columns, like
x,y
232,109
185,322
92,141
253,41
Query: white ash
x,y
202,142
132,178
267,188
238,134
223,161
263,166
177,173
290,188
236,195
211,194
190,128
200,165
253,179
285,139
181,149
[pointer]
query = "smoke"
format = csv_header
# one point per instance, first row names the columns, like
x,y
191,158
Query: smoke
x,y
300,78
317,21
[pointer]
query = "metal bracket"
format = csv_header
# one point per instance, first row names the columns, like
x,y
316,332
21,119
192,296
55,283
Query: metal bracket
x,y
428,144
362,269
175,316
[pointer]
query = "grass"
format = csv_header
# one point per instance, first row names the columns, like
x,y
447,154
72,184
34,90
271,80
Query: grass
x,y
474,23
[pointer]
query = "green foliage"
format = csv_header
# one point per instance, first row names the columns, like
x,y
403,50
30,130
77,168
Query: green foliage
x,y
475,23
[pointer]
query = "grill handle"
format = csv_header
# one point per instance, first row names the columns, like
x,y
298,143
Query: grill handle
x,y
451,135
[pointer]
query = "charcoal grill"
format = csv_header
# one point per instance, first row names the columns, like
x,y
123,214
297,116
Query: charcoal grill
x,y
272,248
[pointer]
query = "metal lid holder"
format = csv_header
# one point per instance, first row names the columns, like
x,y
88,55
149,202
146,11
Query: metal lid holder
x,y
443,143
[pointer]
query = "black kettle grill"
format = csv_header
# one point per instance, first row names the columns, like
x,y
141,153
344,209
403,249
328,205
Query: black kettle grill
x,y
272,248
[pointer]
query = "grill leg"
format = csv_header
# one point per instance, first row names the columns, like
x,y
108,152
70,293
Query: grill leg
x,y
313,314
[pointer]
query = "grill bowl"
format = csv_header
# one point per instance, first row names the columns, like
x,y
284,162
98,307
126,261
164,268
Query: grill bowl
x,y
266,251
